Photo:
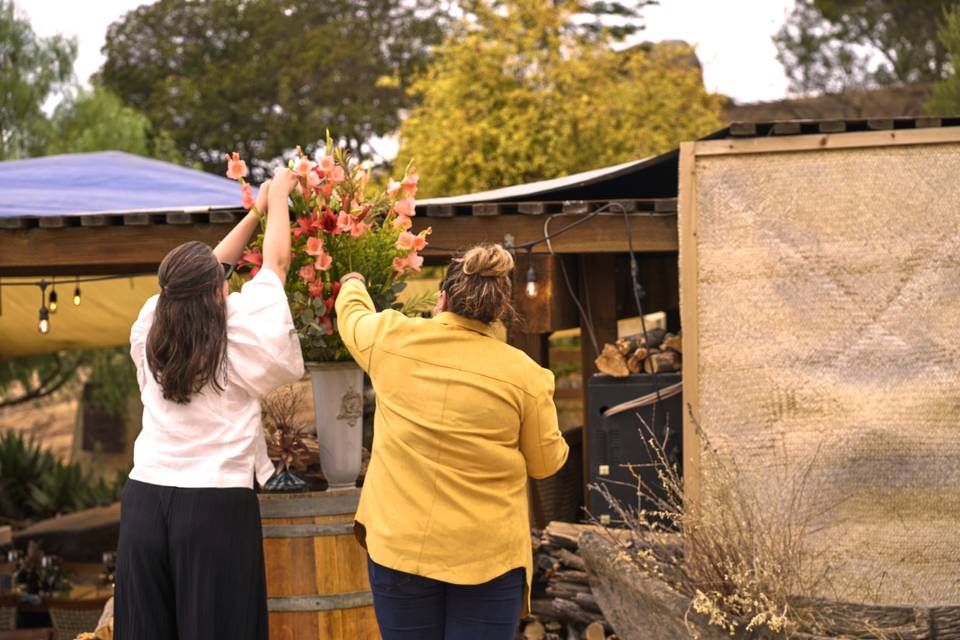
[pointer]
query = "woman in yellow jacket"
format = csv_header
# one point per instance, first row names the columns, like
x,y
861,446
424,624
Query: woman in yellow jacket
x,y
462,419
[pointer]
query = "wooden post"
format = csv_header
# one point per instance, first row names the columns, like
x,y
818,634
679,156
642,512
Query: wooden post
x,y
598,295
688,314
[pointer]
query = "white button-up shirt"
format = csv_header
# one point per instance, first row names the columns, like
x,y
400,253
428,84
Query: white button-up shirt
x,y
216,439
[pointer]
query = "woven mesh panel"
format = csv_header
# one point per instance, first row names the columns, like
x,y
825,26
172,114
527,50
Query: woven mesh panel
x,y
69,623
829,321
8,618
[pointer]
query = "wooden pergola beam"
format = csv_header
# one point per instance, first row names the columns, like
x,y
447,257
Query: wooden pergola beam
x,y
128,248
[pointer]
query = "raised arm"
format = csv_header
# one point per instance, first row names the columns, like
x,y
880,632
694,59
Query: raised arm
x,y
231,247
276,238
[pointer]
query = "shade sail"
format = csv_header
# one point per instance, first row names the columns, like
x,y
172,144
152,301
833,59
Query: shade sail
x,y
107,182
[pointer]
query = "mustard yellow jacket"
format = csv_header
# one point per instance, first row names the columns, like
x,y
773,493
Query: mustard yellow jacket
x,y
462,419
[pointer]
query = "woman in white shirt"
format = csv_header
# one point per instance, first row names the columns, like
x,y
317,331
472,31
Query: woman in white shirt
x,y
190,555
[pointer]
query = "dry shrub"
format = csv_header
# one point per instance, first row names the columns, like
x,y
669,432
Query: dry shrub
x,y
286,433
740,553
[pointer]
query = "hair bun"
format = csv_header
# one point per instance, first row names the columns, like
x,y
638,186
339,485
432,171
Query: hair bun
x,y
488,260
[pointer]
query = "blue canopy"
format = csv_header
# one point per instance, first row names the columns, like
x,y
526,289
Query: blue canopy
x,y
108,182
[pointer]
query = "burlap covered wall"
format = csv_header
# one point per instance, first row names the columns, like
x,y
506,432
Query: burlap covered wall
x,y
828,305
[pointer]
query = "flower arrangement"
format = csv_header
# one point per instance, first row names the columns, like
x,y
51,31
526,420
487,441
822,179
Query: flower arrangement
x,y
339,225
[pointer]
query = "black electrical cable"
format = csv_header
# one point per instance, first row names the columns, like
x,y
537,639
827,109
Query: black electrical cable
x,y
81,280
638,294
547,237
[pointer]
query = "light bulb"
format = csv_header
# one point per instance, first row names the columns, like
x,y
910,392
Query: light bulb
x,y
53,301
531,282
76,296
44,324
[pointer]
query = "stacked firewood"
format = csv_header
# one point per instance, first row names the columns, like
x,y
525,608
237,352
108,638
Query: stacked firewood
x,y
654,352
563,606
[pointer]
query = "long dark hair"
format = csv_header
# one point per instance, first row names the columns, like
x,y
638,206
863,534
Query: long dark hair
x,y
187,343
479,285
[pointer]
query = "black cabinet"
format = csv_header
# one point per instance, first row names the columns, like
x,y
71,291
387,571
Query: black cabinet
x,y
618,439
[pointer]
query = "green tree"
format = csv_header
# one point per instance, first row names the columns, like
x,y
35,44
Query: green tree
x,y
513,96
258,76
946,94
97,120
828,46
32,70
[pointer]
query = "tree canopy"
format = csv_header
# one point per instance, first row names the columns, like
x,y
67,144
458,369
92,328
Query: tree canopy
x,y
946,94
97,120
32,70
513,96
827,46
258,76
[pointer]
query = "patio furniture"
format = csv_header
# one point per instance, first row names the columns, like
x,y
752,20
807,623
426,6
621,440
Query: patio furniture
x,y
73,617
8,612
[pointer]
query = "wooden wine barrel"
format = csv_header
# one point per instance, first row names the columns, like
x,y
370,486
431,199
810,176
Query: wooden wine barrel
x,y
317,585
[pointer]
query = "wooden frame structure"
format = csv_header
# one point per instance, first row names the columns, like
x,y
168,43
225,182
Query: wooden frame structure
x,y
769,138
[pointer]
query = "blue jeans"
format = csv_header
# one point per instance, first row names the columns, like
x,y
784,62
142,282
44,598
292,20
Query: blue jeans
x,y
411,607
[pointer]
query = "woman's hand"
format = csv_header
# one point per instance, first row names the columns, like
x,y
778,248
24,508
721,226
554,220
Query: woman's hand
x,y
261,205
285,180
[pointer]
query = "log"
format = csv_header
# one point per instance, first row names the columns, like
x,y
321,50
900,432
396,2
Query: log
x,y
594,631
534,631
637,606
673,342
578,577
612,362
588,601
569,611
662,362
635,361
629,344
567,590
571,560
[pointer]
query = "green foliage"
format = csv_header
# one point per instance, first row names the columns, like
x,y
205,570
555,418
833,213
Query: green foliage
x,y
32,378
32,70
97,120
827,46
35,484
946,94
512,96
225,75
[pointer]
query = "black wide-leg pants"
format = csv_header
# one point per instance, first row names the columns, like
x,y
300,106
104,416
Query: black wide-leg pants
x,y
189,565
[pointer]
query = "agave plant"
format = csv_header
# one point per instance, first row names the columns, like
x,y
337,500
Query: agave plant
x,y
35,484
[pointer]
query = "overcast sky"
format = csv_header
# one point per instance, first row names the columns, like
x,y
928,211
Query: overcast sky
x,y
732,37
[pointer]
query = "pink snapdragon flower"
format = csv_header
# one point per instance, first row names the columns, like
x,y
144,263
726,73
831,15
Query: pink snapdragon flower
x,y
246,197
236,168
411,242
406,207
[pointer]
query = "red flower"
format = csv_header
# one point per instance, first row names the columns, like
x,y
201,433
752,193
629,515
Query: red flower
x,y
316,289
327,324
254,258
330,302
304,225
328,221
335,289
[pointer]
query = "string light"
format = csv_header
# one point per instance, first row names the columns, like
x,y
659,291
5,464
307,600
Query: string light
x,y
53,296
531,276
44,324
76,293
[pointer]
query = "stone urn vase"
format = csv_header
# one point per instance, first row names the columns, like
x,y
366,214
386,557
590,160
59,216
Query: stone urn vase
x,y
338,415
